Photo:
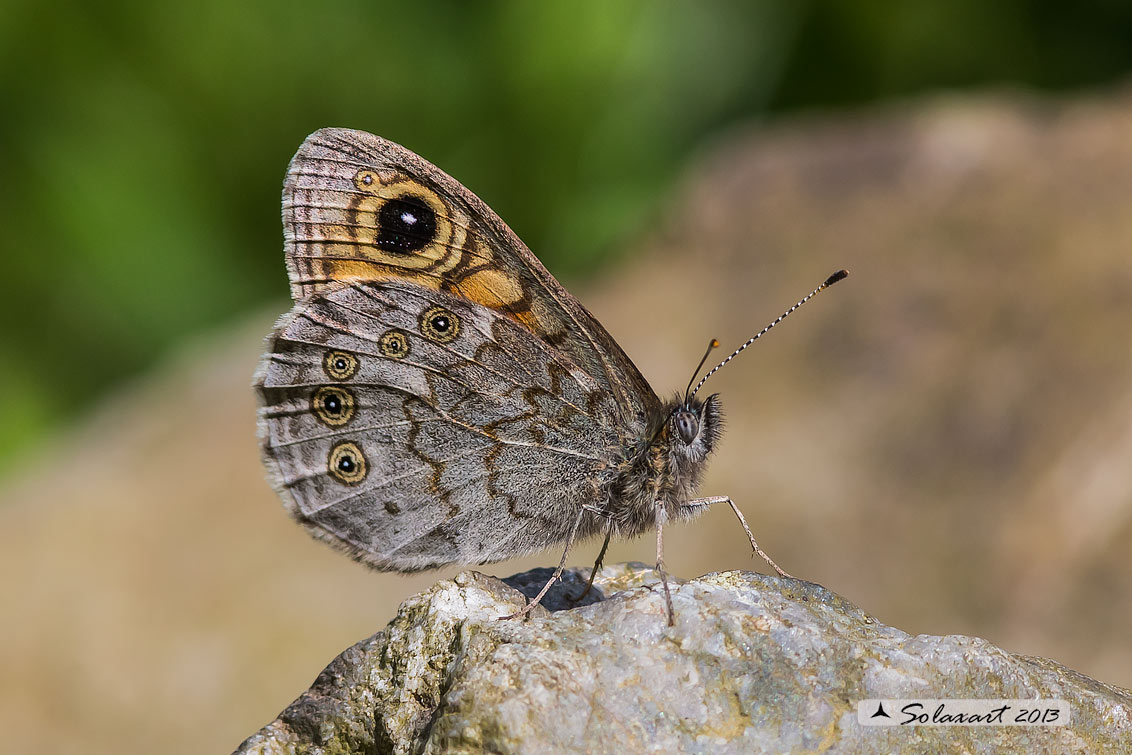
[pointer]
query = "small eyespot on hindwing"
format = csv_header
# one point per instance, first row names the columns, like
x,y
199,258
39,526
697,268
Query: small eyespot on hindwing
x,y
439,325
346,463
339,365
394,344
333,405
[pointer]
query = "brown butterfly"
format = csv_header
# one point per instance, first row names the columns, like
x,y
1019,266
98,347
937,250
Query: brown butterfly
x,y
435,396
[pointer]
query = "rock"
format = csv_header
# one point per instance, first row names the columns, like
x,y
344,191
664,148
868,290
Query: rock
x,y
753,664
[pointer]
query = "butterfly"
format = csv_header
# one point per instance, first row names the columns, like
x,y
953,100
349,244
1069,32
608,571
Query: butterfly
x,y
436,397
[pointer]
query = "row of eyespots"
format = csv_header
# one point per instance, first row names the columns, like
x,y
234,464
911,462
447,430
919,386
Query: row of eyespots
x,y
437,324
335,405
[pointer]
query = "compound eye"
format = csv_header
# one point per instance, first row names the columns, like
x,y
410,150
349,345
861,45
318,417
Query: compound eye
x,y
687,426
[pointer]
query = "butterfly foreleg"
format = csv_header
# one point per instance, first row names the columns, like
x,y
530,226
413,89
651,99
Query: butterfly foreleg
x,y
703,502
557,572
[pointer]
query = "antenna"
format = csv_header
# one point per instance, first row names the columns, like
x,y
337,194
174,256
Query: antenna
x,y
713,345
839,275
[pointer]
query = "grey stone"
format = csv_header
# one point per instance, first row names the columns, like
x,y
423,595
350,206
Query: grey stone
x,y
753,664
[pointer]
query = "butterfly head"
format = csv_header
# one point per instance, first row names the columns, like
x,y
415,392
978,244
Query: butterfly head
x,y
694,426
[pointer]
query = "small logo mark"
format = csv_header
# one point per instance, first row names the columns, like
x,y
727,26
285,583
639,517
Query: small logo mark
x,y
963,712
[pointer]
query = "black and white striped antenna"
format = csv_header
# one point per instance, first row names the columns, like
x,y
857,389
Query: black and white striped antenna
x,y
840,274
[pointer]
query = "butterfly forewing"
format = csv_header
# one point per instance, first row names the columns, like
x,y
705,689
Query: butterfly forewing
x,y
415,428
357,207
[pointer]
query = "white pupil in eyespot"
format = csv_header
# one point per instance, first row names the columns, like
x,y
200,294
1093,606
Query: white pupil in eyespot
x,y
408,218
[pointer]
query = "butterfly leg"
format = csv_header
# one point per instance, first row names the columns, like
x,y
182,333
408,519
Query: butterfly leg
x,y
661,516
557,572
597,566
701,502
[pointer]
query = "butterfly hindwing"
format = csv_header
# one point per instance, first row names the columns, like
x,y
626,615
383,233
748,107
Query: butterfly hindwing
x,y
417,428
357,207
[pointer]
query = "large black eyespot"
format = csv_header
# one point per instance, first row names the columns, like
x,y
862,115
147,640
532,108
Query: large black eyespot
x,y
440,325
405,224
339,365
346,463
687,426
333,405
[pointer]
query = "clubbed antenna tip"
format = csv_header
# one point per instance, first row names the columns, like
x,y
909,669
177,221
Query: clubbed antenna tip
x,y
839,275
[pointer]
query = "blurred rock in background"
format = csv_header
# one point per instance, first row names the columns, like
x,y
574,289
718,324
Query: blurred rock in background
x,y
943,439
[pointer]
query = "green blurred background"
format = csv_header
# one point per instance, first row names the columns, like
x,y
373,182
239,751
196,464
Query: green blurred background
x,y
144,144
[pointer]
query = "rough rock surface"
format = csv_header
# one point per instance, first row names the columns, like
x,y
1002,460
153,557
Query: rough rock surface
x,y
753,664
